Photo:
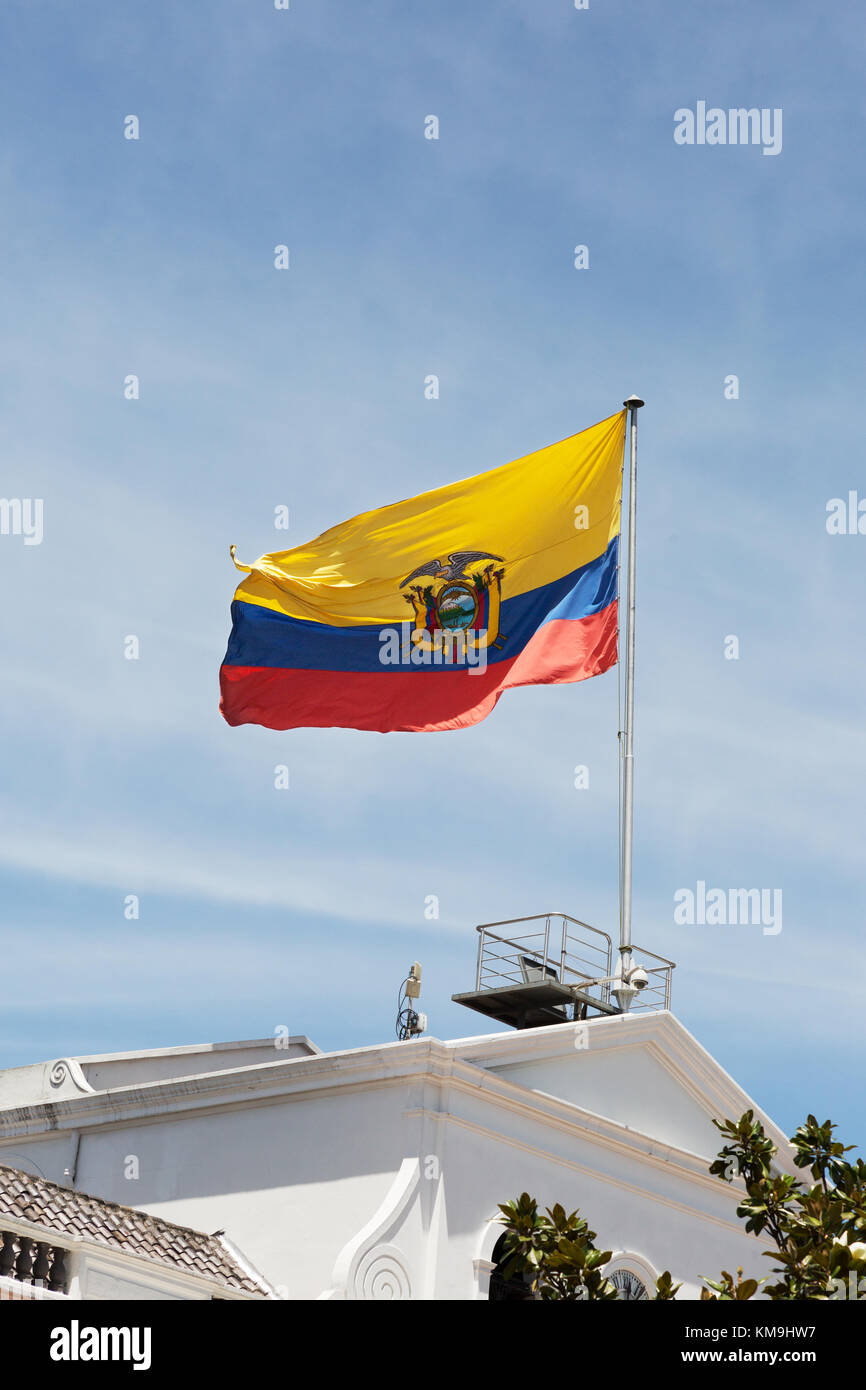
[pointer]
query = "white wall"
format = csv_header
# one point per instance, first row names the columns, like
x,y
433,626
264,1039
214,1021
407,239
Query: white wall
x,y
627,1085
288,1182
388,1163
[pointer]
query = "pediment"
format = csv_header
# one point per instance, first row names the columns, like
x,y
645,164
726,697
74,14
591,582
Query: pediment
x,y
644,1072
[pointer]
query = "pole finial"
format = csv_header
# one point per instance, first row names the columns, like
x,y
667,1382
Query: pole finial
x,y
633,403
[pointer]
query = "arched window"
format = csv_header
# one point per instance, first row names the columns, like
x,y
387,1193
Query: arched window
x,y
517,1287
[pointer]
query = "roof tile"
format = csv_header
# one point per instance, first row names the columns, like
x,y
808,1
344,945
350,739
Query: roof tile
x,y
74,1213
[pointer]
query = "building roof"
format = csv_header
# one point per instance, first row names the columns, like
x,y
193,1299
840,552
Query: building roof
x,y
76,1215
72,1076
641,1079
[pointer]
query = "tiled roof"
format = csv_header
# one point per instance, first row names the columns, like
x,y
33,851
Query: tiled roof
x,y
61,1209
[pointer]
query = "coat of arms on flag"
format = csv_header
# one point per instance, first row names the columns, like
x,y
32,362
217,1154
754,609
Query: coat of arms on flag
x,y
460,599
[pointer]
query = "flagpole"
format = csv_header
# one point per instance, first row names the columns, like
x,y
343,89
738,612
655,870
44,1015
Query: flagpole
x,y
627,992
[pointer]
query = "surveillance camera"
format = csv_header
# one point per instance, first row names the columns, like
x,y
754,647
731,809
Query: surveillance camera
x,y
638,978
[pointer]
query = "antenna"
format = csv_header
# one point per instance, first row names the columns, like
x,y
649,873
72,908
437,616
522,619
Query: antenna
x,y
410,1023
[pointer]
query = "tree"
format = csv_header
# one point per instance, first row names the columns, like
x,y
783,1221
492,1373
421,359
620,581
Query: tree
x,y
818,1230
556,1250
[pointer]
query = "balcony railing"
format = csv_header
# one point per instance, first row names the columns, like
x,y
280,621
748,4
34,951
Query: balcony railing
x,y
31,1268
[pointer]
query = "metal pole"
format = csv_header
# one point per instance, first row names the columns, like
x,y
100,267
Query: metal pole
x,y
632,405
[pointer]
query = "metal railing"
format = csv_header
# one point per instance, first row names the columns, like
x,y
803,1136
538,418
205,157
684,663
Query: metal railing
x,y
657,994
577,952
564,948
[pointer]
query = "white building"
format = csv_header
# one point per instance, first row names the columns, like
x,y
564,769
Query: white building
x,y
376,1172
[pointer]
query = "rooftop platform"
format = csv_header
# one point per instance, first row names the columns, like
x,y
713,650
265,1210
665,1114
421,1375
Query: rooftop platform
x,y
553,968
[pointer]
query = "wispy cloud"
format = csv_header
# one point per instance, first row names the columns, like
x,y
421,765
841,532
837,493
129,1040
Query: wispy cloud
x,y
409,257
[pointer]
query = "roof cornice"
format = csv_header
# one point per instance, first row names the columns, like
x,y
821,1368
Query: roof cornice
x,y
473,1063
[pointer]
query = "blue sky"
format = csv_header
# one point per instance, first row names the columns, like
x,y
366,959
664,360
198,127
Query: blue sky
x,y
262,908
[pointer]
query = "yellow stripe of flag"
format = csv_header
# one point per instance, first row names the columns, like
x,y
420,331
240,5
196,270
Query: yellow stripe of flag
x,y
525,512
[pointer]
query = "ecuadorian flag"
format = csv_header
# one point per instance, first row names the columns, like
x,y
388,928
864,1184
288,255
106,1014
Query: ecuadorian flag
x,y
417,616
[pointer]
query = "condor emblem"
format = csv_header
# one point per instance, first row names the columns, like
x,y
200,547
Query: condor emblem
x,y
457,602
